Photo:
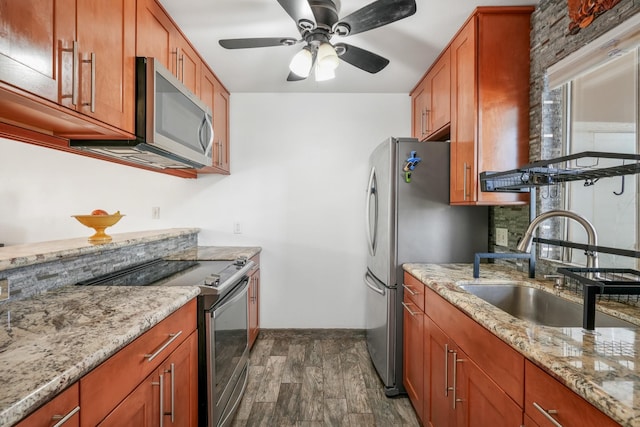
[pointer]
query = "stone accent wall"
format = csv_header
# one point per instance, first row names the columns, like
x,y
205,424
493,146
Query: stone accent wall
x,y
550,42
34,279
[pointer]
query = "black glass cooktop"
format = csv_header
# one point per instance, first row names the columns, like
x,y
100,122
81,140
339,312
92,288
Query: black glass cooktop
x,y
141,275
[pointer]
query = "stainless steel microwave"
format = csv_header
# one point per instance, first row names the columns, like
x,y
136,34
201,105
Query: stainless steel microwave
x,y
174,128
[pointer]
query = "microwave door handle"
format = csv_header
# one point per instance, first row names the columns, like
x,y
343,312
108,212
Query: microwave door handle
x,y
209,146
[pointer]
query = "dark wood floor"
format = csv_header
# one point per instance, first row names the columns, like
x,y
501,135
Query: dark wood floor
x,y
314,378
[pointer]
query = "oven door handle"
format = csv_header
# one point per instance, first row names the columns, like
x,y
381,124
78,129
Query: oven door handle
x,y
239,294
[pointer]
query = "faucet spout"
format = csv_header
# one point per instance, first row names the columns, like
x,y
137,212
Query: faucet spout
x,y
592,236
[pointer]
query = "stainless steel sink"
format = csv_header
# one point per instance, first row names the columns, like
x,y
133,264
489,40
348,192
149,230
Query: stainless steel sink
x,y
538,306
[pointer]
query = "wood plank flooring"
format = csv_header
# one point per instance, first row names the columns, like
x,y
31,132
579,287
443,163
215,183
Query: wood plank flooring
x,y
317,378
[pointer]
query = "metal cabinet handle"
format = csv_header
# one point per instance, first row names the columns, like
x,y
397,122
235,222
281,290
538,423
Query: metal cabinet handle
x,y
172,338
412,313
182,68
466,194
446,369
64,418
173,391
177,54
547,414
427,130
220,151
160,383
92,102
411,291
422,130
455,379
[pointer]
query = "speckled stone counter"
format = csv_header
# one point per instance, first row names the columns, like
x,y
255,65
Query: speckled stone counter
x,y
219,253
602,368
35,253
49,341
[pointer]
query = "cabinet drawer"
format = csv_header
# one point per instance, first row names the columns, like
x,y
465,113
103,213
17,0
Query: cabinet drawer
x,y
499,361
107,385
414,290
64,405
548,394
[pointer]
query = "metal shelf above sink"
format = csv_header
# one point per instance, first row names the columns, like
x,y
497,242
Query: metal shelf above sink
x,y
588,166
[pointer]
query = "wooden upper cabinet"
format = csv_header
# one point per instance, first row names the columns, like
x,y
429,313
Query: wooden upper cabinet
x,y
217,98
431,103
106,32
159,37
37,45
489,101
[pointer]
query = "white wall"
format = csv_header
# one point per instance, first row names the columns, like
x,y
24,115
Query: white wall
x,y
296,188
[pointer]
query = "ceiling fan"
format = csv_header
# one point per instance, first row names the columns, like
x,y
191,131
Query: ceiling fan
x,y
317,22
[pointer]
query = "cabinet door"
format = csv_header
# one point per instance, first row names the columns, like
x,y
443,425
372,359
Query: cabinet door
x,y
106,36
63,406
413,347
154,30
36,47
463,115
139,409
188,64
180,381
479,400
440,89
437,380
254,303
216,97
547,399
419,101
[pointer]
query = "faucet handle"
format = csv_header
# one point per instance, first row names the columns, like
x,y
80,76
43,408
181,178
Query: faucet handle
x,y
558,280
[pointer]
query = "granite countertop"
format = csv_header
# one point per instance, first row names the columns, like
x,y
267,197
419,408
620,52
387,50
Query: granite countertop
x,y
219,253
35,253
601,368
49,341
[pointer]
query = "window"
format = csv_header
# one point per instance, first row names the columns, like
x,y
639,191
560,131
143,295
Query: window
x,y
599,113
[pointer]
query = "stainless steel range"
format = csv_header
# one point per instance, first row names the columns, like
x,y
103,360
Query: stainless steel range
x,y
223,326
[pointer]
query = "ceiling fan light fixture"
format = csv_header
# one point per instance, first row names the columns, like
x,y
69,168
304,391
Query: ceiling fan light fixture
x,y
301,63
327,56
323,73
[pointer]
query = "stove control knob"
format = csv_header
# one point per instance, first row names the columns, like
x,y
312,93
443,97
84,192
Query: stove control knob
x,y
241,261
212,280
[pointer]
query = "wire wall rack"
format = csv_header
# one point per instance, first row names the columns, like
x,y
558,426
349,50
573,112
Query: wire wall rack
x,y
588,166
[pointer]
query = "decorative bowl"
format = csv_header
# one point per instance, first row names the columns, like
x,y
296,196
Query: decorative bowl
x,y
99,223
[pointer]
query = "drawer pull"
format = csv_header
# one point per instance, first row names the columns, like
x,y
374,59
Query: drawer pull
x,y
411,291
412,313
172,338
65,418
547,414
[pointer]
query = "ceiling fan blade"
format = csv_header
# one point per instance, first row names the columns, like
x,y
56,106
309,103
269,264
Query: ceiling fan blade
x,y
377,14
257,42
298,10
293,77
363,59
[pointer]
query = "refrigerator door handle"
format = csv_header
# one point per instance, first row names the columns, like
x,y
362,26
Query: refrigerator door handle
x,y
371,192
373,286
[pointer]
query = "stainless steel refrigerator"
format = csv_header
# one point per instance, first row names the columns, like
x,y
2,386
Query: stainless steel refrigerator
x,y
409,219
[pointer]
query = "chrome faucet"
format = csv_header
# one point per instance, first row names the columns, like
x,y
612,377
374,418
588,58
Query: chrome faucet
x,y
592,236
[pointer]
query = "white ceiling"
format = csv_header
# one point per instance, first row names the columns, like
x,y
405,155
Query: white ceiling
x,y
411,44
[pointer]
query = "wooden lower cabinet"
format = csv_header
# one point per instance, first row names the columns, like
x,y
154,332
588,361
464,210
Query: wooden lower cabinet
x,y
546,399
65,406
254,301
175,383
168,349
413,360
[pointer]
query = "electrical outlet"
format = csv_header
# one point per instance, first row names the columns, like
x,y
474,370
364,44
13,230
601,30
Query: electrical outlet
x,y
237,229
502,237
4,289
155,212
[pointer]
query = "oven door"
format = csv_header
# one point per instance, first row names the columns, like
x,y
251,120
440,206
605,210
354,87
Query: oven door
x,y
228,347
